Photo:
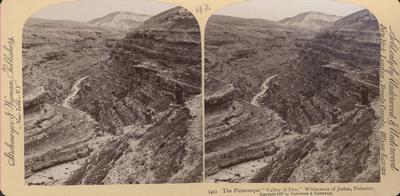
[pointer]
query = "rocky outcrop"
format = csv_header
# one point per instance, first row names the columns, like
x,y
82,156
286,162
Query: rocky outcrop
x,y
348,60
134,98
242,52
141,153
171,38
114,113
240,55
223,94
230,136
141,75
344,152
57,53
53,134
309,114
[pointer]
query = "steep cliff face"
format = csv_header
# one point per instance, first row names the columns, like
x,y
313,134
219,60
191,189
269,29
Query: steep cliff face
x,y
165,151
330,73
236,134
57,53
134,98
314,119
144,69
171,38
343,152
113,115
323,100
45,145
244,51
241,137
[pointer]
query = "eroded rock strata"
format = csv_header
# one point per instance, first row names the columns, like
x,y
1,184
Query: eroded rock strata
x,y
295,110
117,120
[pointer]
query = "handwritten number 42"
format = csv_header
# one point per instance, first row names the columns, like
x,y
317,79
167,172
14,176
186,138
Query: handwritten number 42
x,y
203,8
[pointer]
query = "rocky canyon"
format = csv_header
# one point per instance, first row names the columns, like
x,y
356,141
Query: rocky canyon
x,y
119,99
100,100
293,100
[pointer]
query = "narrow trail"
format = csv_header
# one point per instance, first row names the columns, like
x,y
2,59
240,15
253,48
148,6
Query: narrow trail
x,y
264,87
58,174
74,91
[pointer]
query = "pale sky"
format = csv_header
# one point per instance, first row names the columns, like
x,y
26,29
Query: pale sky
x,y
86,10
279,9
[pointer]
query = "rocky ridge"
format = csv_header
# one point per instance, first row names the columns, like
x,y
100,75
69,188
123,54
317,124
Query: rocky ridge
x,y
130,129
314,120
133,101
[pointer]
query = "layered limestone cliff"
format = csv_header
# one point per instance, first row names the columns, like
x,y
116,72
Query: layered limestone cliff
x,y
167,150
316,114
330,74
58,53
134,98
53,134
132,115
244,51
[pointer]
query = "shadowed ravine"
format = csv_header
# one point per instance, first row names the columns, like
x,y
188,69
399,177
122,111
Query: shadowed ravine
x,y
284,102
135,120
58,174
314,120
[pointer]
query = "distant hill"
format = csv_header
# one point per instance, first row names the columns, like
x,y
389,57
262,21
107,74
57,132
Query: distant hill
x,y
310,20
121,20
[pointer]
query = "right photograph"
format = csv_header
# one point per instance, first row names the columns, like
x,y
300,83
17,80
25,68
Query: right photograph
x,y
291,93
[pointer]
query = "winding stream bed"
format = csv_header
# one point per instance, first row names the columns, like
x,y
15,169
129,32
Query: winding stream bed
x,y
74,91
264,87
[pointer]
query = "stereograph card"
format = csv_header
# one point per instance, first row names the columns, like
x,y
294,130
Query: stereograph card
x,y
205,97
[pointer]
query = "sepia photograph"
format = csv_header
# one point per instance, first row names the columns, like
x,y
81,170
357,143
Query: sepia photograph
x,y
291,93
197,98
112,94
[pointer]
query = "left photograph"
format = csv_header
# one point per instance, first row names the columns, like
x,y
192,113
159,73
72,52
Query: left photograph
x,y
112,94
